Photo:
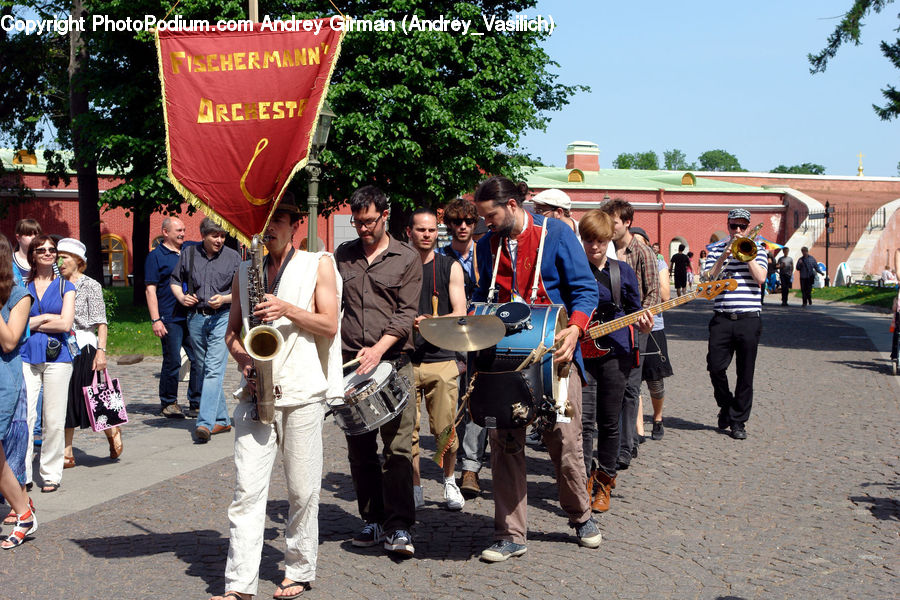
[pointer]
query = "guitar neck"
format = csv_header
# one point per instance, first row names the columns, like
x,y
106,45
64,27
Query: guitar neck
x,y
598,331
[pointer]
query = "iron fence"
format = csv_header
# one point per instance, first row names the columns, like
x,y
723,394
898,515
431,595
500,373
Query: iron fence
x,y
849,224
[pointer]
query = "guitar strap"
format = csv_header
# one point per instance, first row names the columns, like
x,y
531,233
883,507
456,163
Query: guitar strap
x,y
615,282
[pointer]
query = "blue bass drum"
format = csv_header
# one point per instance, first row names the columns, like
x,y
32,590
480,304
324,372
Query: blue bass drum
x,y
527,325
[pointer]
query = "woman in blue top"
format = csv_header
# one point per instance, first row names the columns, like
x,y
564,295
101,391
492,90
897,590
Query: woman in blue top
x,y
14,306
606,375
47,357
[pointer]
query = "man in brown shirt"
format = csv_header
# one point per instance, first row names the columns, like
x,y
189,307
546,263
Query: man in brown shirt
x,y
642,259
382,282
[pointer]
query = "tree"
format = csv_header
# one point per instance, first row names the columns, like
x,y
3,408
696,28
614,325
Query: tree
x,y
647,161
676,160
719,160
849,30
804,169
425,116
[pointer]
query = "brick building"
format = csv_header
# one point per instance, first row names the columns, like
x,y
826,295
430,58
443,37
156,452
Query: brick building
x,y
674,207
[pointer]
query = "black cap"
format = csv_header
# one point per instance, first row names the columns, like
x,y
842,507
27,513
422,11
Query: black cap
x,y
480,227
639,231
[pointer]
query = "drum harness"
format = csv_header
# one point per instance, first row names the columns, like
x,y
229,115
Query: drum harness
x,y
536,354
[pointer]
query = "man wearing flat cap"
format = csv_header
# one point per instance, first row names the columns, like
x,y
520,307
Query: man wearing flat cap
x,y
735,326
557,204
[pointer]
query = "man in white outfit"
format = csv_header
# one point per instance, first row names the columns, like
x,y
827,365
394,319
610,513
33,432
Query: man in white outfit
x,y
303,293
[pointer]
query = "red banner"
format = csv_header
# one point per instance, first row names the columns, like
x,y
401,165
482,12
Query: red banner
x,y
241,109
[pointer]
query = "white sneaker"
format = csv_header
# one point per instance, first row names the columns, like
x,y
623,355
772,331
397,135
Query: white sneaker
x,y
418,496
452,495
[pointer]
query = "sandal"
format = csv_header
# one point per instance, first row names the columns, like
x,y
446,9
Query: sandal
x,y
10,519
49,488
26,525
231,595
115,444
286,586
68,462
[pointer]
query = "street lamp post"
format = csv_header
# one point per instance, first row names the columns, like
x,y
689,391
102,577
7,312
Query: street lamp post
x,y
314,171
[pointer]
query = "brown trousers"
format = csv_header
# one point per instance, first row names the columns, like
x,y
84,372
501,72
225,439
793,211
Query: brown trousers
x,y
510,486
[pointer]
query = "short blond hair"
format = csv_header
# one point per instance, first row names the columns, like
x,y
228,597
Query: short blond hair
x,y
596,225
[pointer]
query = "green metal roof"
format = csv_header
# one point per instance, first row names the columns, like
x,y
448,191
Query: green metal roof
x,y
7,155
632,179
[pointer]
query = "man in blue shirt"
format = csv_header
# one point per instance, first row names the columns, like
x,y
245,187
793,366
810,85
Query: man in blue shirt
x,y
206,273
168,319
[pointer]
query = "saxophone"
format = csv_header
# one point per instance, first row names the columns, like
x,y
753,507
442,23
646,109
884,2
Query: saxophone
x,y
262,341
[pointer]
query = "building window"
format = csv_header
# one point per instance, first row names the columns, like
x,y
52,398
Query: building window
x,y
576,176
115,259
688,179
156,242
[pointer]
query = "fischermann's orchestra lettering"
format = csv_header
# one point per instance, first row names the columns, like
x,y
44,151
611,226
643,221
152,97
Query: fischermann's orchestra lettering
x,y
212,112
246,61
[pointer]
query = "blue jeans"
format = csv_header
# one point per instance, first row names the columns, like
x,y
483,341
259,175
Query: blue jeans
x,y
178,337
208,339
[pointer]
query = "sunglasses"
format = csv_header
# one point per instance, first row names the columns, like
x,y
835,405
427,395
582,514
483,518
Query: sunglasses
x,y
458,222
734,226
43,250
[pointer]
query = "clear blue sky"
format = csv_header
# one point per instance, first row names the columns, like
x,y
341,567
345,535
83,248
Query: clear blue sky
x,y
701,75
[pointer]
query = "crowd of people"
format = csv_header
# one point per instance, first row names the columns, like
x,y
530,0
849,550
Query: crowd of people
x,y
352,312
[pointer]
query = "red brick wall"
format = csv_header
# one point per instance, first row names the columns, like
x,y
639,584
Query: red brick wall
x,y
585,162
61,217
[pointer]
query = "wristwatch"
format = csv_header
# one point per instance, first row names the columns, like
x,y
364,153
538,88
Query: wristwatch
x,y
152,321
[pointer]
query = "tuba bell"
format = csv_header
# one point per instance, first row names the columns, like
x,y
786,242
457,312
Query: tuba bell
x,y
262,342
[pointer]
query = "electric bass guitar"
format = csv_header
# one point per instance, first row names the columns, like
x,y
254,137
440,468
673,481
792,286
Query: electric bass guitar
x,y
590,347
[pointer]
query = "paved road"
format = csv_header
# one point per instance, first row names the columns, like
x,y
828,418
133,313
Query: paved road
x,y
807,506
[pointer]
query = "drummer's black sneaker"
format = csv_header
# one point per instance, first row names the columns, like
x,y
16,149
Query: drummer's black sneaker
x,y
502,550
371,535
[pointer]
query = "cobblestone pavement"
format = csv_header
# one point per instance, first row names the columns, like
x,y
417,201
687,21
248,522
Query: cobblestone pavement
x,y
806,507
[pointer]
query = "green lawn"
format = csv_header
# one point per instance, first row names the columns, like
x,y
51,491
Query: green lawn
x,y
129,326
856,294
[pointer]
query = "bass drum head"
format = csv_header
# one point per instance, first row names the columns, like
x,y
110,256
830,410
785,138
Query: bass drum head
x,y
515,315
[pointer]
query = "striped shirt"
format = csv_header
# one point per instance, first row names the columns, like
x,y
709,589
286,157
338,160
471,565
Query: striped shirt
x,y
747,296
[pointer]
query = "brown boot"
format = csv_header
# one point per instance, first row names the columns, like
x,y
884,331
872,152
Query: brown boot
x,y
469,486
600,498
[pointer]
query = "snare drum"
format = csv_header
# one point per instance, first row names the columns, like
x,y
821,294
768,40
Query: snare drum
x,y
371,400
527,325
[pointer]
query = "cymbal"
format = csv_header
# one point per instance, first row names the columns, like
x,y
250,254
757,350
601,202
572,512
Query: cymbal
x,y
463,334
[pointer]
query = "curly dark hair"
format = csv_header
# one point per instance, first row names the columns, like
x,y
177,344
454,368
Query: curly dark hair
x,y
6,270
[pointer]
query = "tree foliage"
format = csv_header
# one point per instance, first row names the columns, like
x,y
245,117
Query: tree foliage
x,y
849,30
425,115
676,160
647,161
719,160
803,169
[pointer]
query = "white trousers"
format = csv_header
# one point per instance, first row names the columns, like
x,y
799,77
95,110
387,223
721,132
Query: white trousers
x,y
297,432
55,379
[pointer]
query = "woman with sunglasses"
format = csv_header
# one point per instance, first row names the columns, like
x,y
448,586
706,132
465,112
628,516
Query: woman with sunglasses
x,y
14,306
48,362
90,334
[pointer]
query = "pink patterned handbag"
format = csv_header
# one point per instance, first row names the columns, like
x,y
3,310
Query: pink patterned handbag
x,y
105,403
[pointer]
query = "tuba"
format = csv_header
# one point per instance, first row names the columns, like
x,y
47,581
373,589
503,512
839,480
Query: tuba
x,y
742,248
262,341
